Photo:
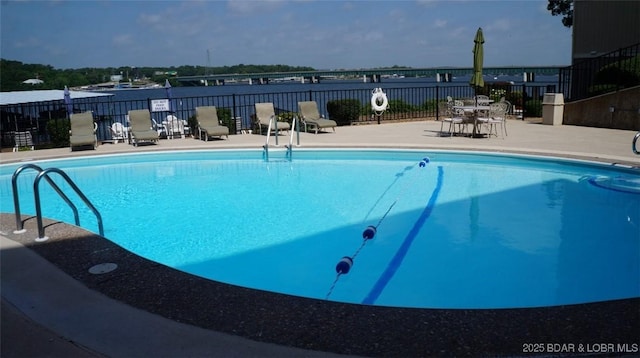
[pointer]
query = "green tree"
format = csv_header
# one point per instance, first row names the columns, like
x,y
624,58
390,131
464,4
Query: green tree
x,y
13,73
562,7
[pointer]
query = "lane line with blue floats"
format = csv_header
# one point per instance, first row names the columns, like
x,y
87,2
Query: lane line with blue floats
x,y
346,263
628,184
397,259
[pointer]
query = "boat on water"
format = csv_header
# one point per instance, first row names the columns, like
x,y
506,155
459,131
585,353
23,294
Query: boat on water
x,y
116,86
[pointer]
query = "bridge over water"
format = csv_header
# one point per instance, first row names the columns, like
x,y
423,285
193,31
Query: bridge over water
x,y
443,74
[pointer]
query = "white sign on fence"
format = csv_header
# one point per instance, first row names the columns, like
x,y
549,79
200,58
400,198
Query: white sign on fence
x,y
159,105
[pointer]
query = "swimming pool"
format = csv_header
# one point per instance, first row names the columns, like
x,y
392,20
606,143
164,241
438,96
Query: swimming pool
x,y
466,230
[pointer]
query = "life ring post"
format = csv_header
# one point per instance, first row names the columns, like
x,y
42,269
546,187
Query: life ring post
x,y
379,102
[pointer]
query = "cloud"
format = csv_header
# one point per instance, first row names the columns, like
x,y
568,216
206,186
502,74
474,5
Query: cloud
x,y
460,32
397,16
28,42
150,20
499,25
56,51
347,6
439,23
123,40
426,3
248,7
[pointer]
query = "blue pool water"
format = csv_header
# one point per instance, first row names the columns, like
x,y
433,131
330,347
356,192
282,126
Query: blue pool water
x,y
467,230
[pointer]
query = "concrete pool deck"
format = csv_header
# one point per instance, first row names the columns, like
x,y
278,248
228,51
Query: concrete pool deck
x,y
51,305
529,136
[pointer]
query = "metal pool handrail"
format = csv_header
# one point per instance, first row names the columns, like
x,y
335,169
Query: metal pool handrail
x,y
633,144
44,173
16,200
73,185
294,129
266,142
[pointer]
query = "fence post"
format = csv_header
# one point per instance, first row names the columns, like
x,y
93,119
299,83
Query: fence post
x,y
619,72
437,103
524,99
234,113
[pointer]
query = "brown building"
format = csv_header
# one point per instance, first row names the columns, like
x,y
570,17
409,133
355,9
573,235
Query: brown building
x,y
598,94
602,26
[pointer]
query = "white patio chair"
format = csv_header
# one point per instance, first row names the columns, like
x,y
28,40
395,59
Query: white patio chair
x,y
161,128
498,117
174,126
455,117
118,132
483,100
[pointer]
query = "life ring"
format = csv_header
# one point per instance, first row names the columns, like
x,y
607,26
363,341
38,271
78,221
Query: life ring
x,y
379,101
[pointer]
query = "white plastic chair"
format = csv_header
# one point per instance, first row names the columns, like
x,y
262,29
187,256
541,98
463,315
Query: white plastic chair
x,y
161,128
118,132
174,126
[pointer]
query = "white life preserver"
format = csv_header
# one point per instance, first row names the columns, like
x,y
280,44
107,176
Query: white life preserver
x,y
379,101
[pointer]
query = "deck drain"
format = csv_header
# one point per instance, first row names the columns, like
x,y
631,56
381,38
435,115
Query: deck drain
x,y
103,268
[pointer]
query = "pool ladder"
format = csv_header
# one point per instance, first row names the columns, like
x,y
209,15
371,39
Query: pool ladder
x,y
44,173
633,144
294,130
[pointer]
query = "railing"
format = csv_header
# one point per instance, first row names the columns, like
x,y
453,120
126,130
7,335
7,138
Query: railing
x,y
44,173
294,129
405,103
16,200
607,73
265,154
633,144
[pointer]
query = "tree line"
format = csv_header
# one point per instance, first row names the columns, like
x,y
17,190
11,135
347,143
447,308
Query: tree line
x,y
14,73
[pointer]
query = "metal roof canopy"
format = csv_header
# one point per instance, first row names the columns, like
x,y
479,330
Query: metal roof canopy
x,y
23,97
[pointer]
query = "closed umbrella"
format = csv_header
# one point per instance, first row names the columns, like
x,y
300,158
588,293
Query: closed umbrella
x,y
167,88
67,101
478,57
171,124
476,79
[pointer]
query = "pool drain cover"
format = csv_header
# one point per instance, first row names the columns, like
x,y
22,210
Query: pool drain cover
x,y
103,268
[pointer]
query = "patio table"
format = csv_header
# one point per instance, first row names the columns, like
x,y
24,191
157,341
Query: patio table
x,y
474,110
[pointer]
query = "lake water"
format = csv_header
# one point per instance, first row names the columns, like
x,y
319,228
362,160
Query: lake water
x,y
326,85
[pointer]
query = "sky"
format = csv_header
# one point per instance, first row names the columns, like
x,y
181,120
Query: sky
x,y
322,34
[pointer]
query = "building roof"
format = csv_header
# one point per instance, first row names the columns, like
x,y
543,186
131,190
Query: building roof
x,y
21,97
33,81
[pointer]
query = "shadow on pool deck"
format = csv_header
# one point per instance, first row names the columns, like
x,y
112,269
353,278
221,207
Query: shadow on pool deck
x,y
52,306
146,309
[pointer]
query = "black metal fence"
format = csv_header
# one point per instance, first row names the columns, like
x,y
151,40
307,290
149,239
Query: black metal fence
x,y
607,73
48,122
